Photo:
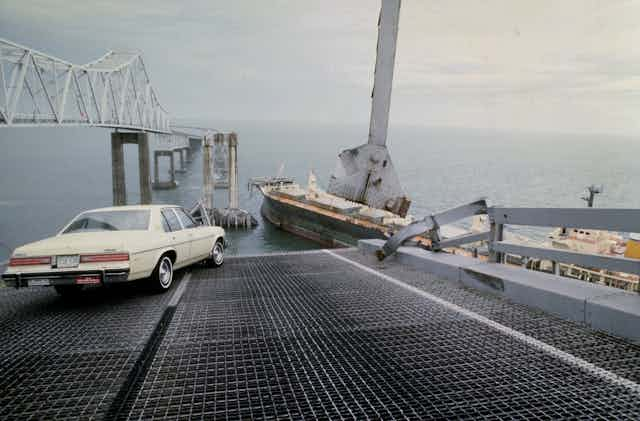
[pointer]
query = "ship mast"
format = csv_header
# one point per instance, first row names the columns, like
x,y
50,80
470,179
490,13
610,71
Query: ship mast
x,y
365,174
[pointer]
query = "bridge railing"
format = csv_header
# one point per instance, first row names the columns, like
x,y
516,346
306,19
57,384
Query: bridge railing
x,y
623,220
620,220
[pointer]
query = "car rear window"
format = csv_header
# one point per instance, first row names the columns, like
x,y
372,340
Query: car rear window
x,y
172,219
187,222
129,220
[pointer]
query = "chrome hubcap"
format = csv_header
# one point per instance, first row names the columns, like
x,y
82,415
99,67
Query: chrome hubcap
x,y
165,272
218,253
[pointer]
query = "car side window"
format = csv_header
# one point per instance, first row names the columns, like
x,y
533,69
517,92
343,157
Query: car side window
x,y
171,219
186,220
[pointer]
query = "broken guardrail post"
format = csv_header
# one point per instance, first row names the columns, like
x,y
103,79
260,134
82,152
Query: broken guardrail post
x,y
496,234
431,225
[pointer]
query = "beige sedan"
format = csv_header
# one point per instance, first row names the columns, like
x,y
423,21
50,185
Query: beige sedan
x,y
117,244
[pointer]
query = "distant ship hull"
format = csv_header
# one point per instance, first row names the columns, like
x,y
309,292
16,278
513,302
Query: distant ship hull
x,y
330,229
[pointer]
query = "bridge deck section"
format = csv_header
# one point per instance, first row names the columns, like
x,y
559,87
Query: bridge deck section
x,y
316,335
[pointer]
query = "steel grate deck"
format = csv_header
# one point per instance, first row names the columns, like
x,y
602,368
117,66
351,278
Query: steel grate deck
x,y
309,336
68,359
300,336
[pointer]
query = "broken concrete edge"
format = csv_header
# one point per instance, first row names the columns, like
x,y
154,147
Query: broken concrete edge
x,y
598,307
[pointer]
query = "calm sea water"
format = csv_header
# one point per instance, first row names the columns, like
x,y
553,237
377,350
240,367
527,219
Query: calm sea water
x,y
49,175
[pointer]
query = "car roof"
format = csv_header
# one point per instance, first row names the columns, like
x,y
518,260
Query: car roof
x,y
133,207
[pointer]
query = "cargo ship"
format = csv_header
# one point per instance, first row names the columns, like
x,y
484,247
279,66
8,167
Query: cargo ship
x,y
327,219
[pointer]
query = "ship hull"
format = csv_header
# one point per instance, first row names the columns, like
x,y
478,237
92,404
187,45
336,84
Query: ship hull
x,y
315,226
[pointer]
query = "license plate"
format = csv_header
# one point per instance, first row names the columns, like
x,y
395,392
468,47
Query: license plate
x,y
67,261
39,282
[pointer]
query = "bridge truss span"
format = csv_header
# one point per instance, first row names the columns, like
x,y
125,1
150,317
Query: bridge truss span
x,y
114,91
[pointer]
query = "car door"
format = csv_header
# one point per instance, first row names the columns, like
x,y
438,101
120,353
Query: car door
x,y
178,237
200,243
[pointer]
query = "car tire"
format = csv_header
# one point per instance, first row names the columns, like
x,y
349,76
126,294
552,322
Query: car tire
x,y
162,276
68,291
216,256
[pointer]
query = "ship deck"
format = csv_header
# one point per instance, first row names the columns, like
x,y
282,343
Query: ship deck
x,y
325,334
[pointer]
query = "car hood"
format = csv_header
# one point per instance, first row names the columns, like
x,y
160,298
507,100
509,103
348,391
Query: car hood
x,y
86,242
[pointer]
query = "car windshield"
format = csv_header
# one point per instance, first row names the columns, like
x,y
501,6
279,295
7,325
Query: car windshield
x,y
128,220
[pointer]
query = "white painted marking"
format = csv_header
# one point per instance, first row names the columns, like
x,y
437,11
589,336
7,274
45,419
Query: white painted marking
x,y
281,253
178,294
542,346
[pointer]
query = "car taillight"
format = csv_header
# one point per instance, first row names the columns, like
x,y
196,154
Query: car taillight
x,y
30,261
107,257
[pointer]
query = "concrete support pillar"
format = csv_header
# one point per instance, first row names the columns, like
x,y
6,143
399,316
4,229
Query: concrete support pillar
x,y
182,167
233,171
207,171
222,169
117,170
156,174
144,168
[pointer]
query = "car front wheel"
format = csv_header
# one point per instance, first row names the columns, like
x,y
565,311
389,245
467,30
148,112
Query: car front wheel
x,y
163,274
216,257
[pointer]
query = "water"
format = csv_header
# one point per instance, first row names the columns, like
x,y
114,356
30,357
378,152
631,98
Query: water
x,y
49,175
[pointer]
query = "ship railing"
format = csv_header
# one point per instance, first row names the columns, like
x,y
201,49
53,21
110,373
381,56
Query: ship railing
x,y
620,220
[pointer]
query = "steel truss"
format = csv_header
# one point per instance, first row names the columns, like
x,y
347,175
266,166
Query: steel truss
x,y
114,91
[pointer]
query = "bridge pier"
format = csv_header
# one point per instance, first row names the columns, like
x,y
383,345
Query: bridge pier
x,y
182,168
187,152
233,171
118,140
207,171
164,185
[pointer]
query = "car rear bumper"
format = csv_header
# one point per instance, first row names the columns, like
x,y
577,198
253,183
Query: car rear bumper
x,y
20,280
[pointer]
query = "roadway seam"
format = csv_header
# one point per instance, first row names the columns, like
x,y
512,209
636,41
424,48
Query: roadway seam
x,y
121,406
535,343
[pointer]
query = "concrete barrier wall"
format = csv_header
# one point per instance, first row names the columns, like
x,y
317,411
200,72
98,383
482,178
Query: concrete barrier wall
x,y
600,307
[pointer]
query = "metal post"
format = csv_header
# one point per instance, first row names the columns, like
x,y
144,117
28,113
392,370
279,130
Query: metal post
x,y
144,170
233,171
207,173
496,234
117,170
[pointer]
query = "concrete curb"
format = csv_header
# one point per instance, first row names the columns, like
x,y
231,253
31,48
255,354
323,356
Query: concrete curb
x,y
599,307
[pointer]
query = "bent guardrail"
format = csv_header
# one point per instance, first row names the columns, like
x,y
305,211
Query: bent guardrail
x,y
430,226
620,220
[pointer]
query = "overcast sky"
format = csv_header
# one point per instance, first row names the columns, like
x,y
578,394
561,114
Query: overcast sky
x,y
543,65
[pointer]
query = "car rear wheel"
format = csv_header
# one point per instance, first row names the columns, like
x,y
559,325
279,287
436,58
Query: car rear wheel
x,y
216,256
162,275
